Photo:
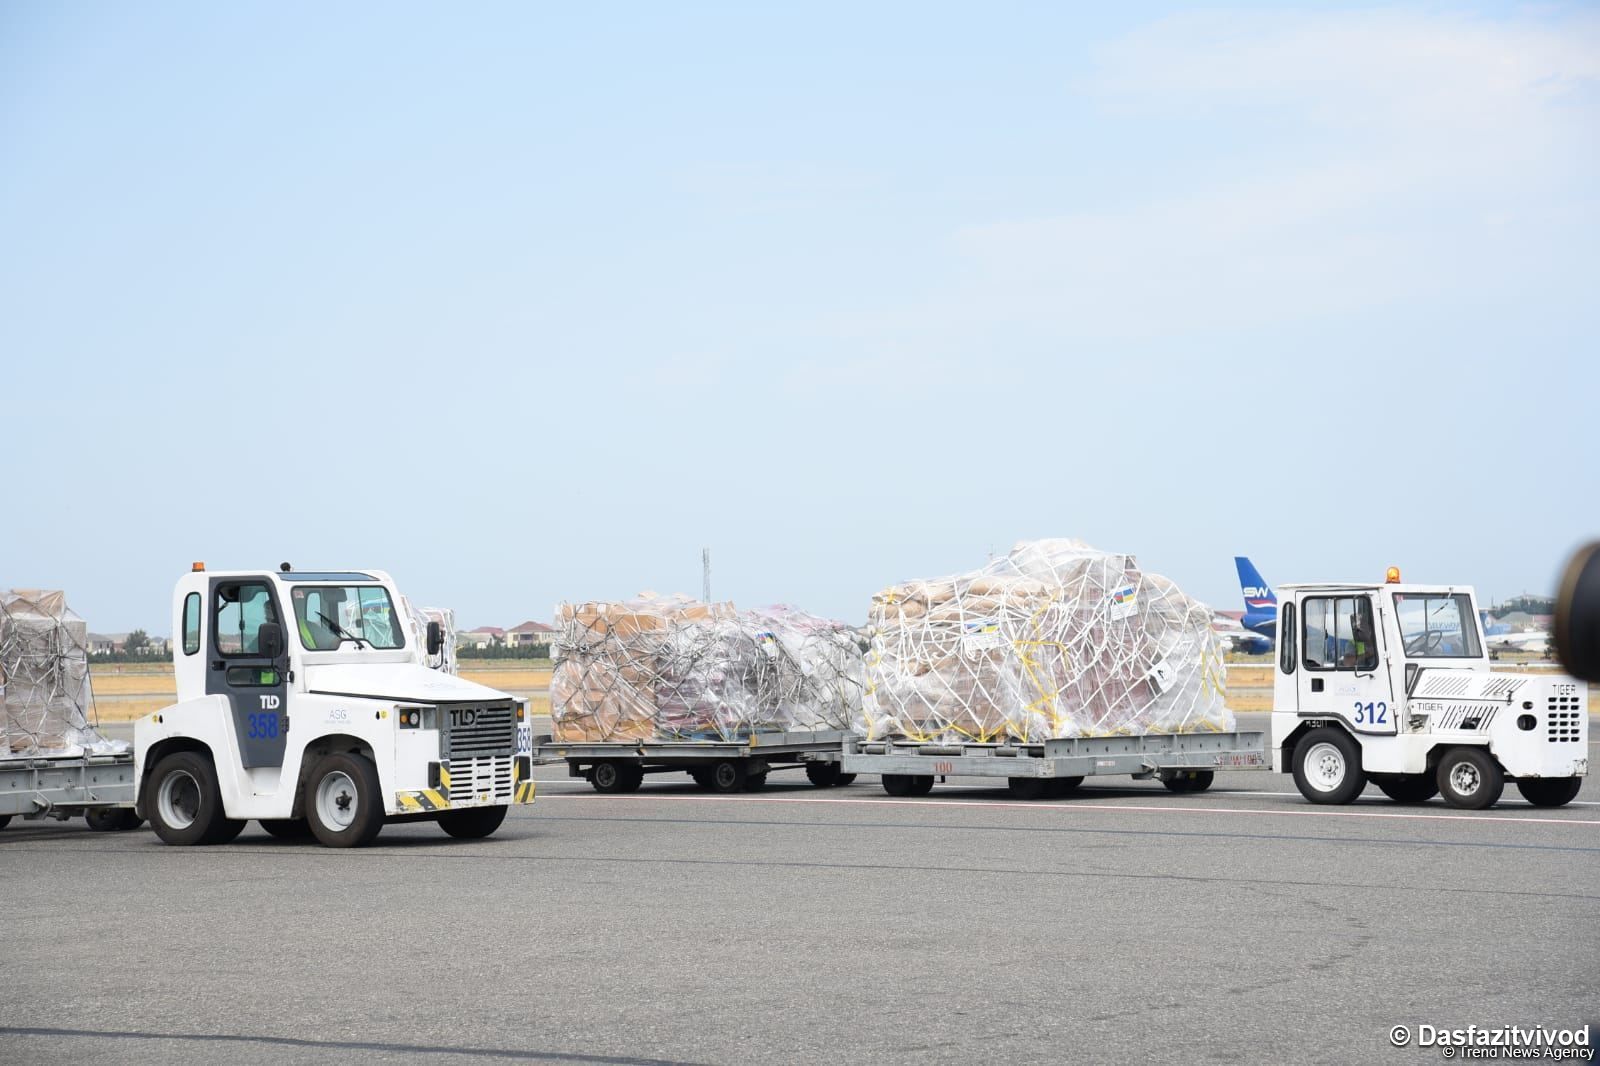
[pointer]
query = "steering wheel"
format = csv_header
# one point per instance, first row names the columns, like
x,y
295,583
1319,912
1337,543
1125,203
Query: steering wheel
x,y
1425,643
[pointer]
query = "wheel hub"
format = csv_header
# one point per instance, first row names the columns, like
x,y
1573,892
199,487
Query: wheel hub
x,y
1465,779
1325,767
179,800
336,801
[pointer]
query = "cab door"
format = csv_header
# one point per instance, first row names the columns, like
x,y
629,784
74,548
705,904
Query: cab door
x,y
1341,671
249,674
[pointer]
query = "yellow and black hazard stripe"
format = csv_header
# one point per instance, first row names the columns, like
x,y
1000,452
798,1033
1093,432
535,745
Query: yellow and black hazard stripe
x,y
426,799
522,786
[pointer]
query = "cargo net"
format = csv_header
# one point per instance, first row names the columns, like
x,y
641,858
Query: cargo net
x,y
45,697
672,668
1054,640
418,619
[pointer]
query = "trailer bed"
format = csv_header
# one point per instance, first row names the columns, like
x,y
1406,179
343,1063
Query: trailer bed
x,y
1185,762
98,785
721,764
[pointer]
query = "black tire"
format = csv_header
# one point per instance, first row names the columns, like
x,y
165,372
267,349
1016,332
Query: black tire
x,y
1062,787
1189,780
1327,766
616,775
1470,779
474,823
112,819
1550,791
287,828
823,774
844,779
727,776
1027,788
897,784
343,801
1408,788
5,820
702,776
185,804
755,782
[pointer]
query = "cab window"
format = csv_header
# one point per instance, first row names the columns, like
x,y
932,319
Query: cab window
x,y
1339,633
240,610
191,623
1436,625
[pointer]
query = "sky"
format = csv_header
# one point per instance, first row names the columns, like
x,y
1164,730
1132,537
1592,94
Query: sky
x,y
532,302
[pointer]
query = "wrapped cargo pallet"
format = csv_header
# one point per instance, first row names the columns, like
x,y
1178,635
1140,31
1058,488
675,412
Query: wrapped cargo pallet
x,y
418,619
45,699
1053,640
672,668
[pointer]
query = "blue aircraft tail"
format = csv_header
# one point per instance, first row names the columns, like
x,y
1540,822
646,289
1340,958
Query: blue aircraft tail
x,y
1258,595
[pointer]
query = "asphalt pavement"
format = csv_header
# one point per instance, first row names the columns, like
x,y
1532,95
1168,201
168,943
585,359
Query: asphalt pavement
x,y
806,925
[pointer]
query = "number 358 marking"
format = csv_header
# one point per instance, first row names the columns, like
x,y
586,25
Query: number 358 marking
x,y
1372,713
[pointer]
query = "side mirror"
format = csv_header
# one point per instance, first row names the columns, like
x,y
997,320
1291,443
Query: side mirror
x,y
269,638
435,638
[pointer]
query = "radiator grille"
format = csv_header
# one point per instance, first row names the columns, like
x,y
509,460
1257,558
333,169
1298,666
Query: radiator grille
x,y
1563,719
471,780
473,732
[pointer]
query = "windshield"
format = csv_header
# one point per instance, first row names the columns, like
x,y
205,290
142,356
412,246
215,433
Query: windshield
x,y
328,615
1436,625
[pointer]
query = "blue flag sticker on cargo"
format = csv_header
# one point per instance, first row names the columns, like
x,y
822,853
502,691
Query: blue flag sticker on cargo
x,y
981,634
1124,604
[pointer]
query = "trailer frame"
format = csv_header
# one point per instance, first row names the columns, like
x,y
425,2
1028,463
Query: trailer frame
x,y
721,764
99,787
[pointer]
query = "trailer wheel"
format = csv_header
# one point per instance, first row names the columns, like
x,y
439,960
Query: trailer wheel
x,y
342,804
844,779
1549,791
755,782
287,828
1190,780
727,776
908,784
1062,787
1408,788
5,820
614,775
1327,766
1469,778
823,774
185,803
112,819
702,776
1027,788
474,823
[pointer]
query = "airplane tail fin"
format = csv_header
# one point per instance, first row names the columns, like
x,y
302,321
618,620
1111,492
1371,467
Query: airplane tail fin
x,y
1258,595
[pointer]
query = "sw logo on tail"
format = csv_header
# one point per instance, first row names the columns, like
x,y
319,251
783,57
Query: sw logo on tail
x,y
1260,602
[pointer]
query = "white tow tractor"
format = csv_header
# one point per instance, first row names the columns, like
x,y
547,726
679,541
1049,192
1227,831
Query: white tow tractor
x,y
300,705
1391,684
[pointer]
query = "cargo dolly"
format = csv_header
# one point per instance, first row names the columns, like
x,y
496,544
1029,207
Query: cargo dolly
x,y
721,764
1184,762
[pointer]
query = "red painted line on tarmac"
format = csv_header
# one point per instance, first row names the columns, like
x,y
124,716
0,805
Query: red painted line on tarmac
x,y
1080,807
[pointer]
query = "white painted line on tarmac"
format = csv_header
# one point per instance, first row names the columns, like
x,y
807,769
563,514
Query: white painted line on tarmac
x,y
1083,806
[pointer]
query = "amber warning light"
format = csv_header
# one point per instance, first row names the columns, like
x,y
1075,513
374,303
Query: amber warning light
x,y
197,568
1393,576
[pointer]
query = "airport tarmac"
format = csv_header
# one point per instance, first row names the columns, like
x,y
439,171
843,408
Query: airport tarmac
x,y
806,925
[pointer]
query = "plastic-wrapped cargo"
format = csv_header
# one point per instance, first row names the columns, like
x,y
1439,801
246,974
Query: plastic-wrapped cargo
x,y
1053,640
673,668
45,696
418,618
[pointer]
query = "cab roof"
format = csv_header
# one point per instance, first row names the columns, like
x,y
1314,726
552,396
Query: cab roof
x,y
1374,586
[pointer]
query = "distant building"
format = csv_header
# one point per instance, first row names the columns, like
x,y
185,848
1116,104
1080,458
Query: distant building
x,y
115,643
529,633
483,637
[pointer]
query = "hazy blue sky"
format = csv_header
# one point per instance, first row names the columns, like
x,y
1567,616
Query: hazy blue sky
x,y
530,302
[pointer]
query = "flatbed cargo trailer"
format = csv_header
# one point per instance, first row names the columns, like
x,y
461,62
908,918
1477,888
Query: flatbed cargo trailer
x,y
1184,762
720,764
99,787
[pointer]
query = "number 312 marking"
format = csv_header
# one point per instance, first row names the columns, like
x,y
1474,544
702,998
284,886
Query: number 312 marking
x,y
1372,713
